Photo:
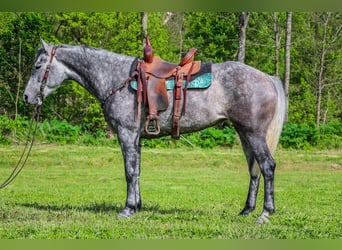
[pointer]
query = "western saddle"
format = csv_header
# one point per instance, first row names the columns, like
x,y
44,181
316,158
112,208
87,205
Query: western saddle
x,y
151,73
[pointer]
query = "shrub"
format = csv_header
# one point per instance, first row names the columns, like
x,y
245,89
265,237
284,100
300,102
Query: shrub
x,y
304,136
62,132
207,138
298,136
295,136
7,127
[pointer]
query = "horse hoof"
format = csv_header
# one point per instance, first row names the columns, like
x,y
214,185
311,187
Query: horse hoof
x,y
246,211
262,219
126,213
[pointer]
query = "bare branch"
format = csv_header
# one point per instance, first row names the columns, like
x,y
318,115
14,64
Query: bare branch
x,y
167,17
331,84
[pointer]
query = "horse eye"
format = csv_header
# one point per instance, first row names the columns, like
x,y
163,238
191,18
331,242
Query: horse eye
x,y
38,66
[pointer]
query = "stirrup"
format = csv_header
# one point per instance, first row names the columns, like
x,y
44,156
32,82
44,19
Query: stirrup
x,y
152,126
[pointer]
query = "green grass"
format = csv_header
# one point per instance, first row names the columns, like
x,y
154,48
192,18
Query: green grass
x,y
76,192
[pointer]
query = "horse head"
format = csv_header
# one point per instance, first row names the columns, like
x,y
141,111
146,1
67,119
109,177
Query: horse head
x,y
47,75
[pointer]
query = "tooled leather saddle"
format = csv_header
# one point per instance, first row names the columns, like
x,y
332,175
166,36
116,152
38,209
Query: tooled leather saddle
x,y
151,73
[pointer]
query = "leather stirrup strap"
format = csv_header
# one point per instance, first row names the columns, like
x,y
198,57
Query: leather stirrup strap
x,y
186,88
177,106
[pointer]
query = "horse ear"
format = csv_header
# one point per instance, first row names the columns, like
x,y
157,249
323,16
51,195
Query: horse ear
x,y
44,45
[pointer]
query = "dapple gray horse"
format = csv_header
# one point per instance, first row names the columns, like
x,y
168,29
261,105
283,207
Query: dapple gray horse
x,y
253,101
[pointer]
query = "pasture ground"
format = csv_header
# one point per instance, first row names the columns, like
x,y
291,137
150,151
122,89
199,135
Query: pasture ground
x,y
74,192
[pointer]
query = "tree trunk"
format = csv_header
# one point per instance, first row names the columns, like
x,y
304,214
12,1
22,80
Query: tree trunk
x,y
144,17
287,61
277,44
181,34
243,22
320,75
19,81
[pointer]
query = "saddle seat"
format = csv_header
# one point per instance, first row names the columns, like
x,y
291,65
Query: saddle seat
x,y
152,73
163,69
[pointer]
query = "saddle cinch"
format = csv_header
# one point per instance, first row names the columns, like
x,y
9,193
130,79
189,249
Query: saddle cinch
x,y
152,73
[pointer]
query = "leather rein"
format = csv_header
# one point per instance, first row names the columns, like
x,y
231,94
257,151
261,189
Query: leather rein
x,y
28,146
35,118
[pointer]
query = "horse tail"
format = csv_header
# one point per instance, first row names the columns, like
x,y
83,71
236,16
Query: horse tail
x,y
275,128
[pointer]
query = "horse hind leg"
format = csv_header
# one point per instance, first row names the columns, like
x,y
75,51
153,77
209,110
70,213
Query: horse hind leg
x,y
267,167
254,172
255,148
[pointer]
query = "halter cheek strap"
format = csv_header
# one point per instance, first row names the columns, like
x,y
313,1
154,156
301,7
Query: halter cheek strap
x,y
46,74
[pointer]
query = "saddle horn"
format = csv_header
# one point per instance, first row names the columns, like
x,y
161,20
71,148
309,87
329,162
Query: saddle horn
x,y
148,51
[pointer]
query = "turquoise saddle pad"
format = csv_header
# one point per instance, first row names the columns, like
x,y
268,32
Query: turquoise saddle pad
x,y
200,82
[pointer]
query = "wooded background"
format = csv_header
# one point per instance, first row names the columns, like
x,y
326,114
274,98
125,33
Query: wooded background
x,y
303,49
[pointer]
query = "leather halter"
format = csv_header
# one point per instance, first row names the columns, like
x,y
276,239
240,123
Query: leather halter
x,y
47,71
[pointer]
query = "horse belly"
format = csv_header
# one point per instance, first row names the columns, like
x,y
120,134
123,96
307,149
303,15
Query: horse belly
x,y
204,108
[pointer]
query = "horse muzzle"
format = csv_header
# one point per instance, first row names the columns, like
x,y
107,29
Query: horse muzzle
x,y
37,100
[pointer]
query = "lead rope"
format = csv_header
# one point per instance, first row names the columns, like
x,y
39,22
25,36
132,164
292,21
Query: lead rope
x,y
28,146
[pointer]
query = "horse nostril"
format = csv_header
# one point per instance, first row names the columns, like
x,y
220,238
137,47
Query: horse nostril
x,y
25,98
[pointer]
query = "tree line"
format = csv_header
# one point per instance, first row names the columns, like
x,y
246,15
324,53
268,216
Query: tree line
x,y
303,49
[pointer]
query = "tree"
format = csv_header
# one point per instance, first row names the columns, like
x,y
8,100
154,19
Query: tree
x,y
243,22
320,83
316,73
214,34
287,61
277,44
19,38
265,36
175,24
313,40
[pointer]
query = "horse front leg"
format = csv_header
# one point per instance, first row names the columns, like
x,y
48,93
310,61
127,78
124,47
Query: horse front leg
x,y
131,152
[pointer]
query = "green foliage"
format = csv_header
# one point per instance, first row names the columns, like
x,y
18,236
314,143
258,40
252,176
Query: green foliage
x,y
330,136
304,136
301,103
208,138
294,136
213,137
51,131
60,131
306,55
19,38
7,126
299,136
214,34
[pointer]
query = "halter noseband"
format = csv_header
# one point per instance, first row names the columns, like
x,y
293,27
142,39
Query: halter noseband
x,y
47,71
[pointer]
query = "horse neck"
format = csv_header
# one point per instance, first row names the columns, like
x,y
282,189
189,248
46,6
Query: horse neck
x,y
96,70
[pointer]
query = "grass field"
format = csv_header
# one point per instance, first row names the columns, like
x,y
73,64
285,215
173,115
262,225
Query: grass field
x,y
76,192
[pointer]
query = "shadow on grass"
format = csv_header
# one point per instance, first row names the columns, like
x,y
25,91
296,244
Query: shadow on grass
x,y
111,208
94,208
